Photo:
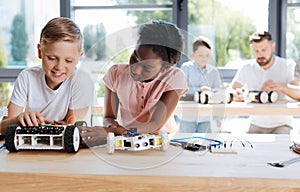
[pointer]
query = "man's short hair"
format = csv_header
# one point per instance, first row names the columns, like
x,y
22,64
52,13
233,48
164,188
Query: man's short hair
x,y
259,36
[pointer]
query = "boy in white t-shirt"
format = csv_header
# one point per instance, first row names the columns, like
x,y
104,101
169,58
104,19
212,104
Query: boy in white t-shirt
x,y
266,73
57,91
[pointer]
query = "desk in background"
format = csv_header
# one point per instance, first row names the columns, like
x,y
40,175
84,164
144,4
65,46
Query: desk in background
x,y
233,109
173,170
239,108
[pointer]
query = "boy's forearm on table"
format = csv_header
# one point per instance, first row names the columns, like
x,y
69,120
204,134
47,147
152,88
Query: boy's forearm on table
x,y
6,122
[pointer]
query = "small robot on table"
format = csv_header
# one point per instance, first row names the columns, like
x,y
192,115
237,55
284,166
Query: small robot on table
x,y
134,141
213,96
52,136
260,96
221,96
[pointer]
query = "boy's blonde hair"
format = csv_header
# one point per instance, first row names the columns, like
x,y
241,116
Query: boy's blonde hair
x,y
61,29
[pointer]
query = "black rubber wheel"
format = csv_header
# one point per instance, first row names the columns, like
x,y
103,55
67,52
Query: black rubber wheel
x,y
197,96
80,123
205,100
71,139
10,138
2,137
230,98
273,96
263,97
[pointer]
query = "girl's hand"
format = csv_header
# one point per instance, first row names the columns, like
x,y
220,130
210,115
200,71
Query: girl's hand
x,y
92,136
110,123
116,130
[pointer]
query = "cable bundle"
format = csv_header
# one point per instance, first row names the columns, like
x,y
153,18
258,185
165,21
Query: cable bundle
x,y
214,145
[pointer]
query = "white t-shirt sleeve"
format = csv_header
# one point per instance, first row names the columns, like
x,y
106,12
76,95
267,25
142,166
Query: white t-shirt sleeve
x,y
291,70
19,95
83,91
241,76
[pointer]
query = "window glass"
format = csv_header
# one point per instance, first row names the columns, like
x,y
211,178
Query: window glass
x,y
20,26
110,33
293,1
293,33
119,2
228,24
5,91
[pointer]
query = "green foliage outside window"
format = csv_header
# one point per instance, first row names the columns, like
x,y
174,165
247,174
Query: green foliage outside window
x,y
146,16
232,28
18,42
89,40
4,87
293,37
94,41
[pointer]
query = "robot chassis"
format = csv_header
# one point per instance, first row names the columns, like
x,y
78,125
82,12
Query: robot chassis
x,y
213,96
221,96
260,96
55,136
134,141
52,136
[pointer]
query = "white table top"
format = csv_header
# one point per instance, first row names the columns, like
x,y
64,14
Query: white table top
x,y
249,165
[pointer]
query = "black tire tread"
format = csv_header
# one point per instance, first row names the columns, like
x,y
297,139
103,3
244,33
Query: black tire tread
x,y
68,139
10,137
80,123
206,99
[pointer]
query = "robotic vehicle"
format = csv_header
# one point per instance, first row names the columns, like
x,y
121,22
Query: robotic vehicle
x,y
52,136
213,96
260,96
133,141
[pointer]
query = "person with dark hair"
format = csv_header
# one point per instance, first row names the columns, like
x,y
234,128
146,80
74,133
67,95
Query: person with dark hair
x,y
57,90
200,76
144,92
267,72
260,36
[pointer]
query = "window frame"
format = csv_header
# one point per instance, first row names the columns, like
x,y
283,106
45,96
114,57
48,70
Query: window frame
x,y
277,25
